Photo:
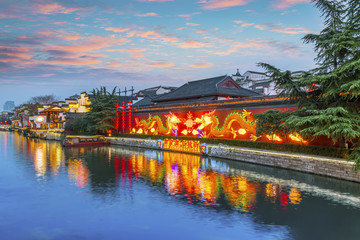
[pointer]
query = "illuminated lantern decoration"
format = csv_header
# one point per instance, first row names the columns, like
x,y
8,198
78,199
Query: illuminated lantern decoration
x,y
117,117
123,116
130,114
140,131
152,130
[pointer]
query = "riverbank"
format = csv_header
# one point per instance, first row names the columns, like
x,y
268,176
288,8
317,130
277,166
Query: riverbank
x,y
325,166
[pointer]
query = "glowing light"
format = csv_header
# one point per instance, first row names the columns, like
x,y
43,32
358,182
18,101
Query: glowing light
x,y
297,138
40,119
274,137
152,130
140,131
184,132
295,196
242,131
195,132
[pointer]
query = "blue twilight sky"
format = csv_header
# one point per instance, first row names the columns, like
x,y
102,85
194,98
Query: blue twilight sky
x,y
65,47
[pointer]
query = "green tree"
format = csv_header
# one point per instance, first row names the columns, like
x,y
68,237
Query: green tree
x,y
101,117
328,99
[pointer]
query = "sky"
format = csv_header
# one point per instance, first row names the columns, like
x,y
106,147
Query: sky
x,y
66,47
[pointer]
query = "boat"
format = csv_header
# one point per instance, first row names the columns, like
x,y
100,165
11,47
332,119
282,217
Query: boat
x,y
83,141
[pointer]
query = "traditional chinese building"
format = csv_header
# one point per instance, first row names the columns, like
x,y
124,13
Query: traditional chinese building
x,y
213,108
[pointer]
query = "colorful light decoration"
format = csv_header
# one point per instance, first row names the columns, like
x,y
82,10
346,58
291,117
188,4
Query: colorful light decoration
x,y
181,145
117,117
130,115
123,116
40,119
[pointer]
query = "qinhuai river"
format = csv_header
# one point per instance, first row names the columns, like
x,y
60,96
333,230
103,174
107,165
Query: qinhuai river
x,y
50,192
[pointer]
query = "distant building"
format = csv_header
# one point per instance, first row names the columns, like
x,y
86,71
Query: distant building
x,y
260,82
144,97
9,106
205,90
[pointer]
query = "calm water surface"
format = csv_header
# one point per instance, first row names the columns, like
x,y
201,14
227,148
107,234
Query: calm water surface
x,y
48,192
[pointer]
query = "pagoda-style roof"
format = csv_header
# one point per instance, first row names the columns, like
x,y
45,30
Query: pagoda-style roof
x,y
210,88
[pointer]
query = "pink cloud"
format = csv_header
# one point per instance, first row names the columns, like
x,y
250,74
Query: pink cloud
x,y
24,37
188,16
193,44
243,23
72,37
282,4
161,64
53,8
150,14
157,35
281,29
92,43
47,32
71,61
7,15
201,65
16,53
135,53
117,29
290,30
192,24
47,75
219,4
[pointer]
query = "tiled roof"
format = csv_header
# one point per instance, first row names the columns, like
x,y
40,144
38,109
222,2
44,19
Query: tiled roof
x,y
204,88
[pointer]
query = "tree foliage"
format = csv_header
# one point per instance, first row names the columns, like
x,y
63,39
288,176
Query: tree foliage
x,y
100,119
328,96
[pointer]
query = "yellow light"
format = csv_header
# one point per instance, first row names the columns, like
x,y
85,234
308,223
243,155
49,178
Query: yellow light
x,y
273,137
195,132
140,131
242,131
152,130
297,138
184,132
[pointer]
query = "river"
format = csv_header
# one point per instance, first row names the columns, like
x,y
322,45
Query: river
x,y
50,192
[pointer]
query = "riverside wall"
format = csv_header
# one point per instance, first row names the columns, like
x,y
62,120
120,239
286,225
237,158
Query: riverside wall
x,y
331,167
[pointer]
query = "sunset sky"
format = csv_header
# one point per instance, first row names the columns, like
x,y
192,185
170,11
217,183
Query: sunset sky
x,y
65,47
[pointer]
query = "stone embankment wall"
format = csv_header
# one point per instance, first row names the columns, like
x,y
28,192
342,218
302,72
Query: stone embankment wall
x,y
332,167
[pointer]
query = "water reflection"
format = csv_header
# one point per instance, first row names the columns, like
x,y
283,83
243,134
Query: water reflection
x,y
133,180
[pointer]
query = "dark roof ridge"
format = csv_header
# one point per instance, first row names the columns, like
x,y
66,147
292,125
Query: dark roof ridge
x,y
207,79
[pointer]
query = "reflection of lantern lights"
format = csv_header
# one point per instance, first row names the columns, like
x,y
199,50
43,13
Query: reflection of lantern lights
x,y
241,131
295,196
